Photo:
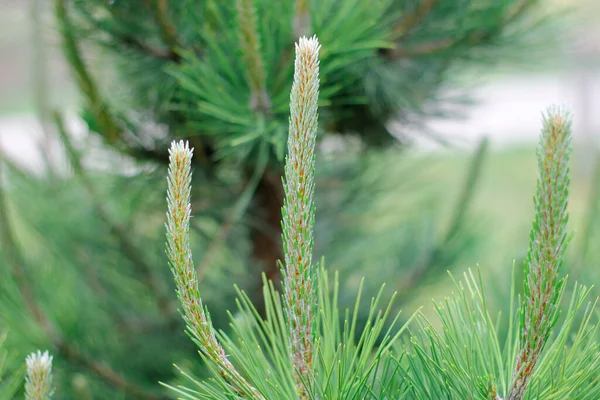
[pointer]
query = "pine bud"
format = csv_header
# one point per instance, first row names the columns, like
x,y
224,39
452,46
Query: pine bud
x,y
38,385
298,212
547,243
186,279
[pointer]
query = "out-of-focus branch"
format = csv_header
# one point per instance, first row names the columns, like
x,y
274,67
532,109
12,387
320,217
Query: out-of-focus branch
x,y
127,247
432,258
71,353
464,201
166,28
105,372
141,47
471,39
302,20
412,19
19,271
250,44
240,207
425,48
109,127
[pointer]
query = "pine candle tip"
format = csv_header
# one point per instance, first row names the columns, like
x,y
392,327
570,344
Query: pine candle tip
x,y
308,45
558,114
39,361
179,147
39,376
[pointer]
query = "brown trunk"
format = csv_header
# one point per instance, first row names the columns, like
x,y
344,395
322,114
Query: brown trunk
x,y
266,239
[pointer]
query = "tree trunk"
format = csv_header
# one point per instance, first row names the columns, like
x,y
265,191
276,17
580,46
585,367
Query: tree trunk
x,y
266,237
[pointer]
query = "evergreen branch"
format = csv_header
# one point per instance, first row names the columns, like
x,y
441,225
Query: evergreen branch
x,y
404,26
38,385
250,44
104,372
299,213
129,249
10,379
466,197
473,38
419,273
548,240
302,20
71,353
166,28
16,261
429,48
109,127
141,47
131,42
195,315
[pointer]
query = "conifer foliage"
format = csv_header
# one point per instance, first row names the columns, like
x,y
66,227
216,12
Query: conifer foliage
x,y
218,75
306,347
10,376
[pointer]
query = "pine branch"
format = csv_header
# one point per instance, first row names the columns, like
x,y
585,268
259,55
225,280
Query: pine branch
x,y
138,45
431,260
302,20
239,209
110,130
250,44
10,379
548,240
104,372
471,39
166,28
16,260
466,196
129,249
409,21
70,352
299,214
180,255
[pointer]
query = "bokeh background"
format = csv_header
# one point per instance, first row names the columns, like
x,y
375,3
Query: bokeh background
x,y
442,179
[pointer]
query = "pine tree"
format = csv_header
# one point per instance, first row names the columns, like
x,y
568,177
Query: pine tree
x,y
297,353
294,352
218,74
